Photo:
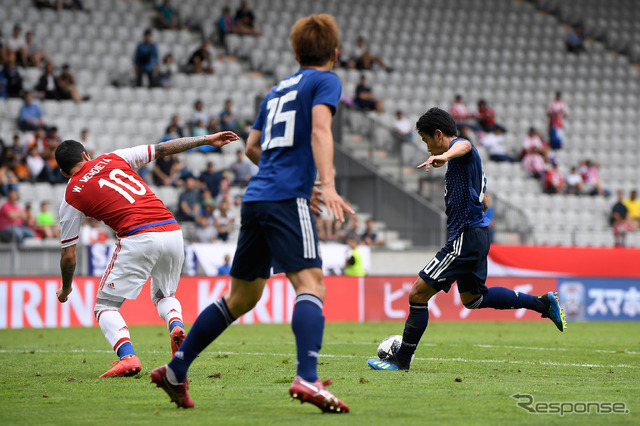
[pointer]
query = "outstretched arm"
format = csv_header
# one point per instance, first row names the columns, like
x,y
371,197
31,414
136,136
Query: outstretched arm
x,y
457,150
176,146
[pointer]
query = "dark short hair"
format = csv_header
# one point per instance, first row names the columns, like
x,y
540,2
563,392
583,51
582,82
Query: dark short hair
x,y
68,154
436,119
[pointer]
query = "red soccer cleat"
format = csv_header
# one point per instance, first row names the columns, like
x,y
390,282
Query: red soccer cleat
x,y
317,394
127,366
177,393
177,337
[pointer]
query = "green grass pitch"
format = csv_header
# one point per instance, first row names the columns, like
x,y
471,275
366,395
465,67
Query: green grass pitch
x,y
463,373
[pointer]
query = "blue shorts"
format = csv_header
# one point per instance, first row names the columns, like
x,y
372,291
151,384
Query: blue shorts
x,y
463,260
281,234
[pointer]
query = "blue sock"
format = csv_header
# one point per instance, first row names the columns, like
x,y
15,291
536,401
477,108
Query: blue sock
x,y
174,324
414,328
307,324
211,322
505,298
125,349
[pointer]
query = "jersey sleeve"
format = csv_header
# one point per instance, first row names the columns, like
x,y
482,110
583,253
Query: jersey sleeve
x,y
328,91
137,156
70,223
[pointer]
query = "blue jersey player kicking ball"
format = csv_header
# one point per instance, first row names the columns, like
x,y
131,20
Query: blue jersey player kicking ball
x,y
291,139
464,257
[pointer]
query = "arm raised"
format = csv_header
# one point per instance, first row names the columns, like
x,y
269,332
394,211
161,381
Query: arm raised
x,y
176,146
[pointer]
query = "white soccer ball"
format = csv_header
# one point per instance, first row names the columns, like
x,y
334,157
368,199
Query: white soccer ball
x,y
389,346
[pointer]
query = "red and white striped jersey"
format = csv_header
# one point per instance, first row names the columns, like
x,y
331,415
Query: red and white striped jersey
x,y
108,189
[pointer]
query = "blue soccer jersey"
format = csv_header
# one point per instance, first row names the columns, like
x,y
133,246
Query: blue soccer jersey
x,y
287,169
465,186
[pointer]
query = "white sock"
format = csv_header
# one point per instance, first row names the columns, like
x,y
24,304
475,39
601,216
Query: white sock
x,y
169,309
171,377
114,328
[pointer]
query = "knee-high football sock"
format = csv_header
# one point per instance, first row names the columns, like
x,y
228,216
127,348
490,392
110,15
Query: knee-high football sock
x,y
414,328
211,322
170,311
505,298
116,332
307,324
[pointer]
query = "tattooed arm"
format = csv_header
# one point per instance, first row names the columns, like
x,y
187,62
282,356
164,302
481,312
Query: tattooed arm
x,y
176,146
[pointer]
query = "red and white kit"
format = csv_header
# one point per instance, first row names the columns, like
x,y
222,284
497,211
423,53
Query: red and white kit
x,y
150,242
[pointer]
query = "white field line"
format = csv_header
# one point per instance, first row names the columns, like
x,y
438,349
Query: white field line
x,y
458,359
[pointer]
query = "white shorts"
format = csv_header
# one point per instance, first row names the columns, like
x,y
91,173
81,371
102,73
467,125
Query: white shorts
x,y
158,255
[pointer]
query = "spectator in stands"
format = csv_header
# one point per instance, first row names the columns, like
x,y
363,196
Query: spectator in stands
x,y
167,171
33,52
198,114
4,93
591,177
486,118
200,61
619,211
37,139
175,121
533,154
225,270
633,207
189,201
199,130
212,179
30,117
67,86
166,16
13,76
245,20
46,222
146,60
574,182
166,71
38,169
370,237
60,4
206,223
17,47
557,111
226,25
363,58
365,99
461,115
48,87
171,133
87,142
553,179
12,220
354,266
227,117
576,40
212,126
8,179
325,225
402,127
242,170
224,220
494,143
30,220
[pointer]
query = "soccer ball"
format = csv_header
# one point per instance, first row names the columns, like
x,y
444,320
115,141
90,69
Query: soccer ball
x,y
389,346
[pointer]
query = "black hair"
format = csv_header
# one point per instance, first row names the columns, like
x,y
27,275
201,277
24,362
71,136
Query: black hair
x,y
436,119
68,154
